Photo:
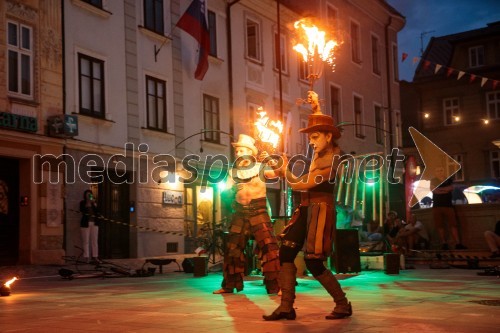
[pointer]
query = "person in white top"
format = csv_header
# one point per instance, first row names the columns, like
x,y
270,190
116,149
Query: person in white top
x,y
412,233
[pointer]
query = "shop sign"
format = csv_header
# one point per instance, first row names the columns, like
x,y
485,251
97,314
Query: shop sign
x,y
18,122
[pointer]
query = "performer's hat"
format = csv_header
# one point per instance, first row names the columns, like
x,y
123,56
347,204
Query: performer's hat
x,y
247,142
318,122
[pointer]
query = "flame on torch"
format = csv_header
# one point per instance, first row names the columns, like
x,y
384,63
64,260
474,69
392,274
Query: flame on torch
x,y
268,131
313,43
11,281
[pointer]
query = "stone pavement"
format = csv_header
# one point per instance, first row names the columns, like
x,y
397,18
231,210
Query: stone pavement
x,y
417,300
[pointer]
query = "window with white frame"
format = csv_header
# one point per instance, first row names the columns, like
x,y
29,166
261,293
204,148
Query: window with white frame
x,y
375,55
212,30
91,85
335,103
253,42
153,16
252,117
20,59
476,56
395,68
304,137
156,104
451,110
355,43
493,104
280,52
358,117
211,115
495,164
459,175
379,125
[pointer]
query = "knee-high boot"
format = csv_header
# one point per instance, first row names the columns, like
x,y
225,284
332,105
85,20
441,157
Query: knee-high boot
x,y
343,307
286,280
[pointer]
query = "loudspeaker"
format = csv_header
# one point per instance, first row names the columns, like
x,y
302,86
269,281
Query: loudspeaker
x,y
345,256
391,263
200,266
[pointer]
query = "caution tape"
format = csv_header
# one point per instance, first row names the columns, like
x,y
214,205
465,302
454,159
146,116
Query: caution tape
x,y
139,227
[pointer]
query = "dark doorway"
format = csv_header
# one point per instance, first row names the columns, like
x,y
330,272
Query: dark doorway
x,y
9,211
114,204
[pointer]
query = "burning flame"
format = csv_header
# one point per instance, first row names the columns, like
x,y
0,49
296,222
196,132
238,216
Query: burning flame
x,y
316,43
11,281
268,131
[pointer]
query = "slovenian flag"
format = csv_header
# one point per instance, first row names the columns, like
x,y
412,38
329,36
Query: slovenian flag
x,y
194,22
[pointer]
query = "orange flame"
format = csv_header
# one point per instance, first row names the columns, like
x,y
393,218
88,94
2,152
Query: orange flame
x,y
268,131
314,43
11,281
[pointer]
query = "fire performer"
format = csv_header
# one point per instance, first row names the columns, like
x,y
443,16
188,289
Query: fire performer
x,y
250,218
312,226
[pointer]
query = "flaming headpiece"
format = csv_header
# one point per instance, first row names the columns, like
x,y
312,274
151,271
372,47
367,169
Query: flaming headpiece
x,y
314,47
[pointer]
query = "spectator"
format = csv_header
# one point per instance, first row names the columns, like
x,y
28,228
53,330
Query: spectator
x,y
493,240
392,225
89,226
412,234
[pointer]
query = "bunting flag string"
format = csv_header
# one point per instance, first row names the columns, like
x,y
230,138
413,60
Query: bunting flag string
x,y
429,65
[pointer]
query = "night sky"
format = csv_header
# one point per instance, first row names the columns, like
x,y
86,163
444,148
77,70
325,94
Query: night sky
x,y
442,17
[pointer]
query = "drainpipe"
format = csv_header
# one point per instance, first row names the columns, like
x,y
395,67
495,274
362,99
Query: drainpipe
x,y
230,68
389,80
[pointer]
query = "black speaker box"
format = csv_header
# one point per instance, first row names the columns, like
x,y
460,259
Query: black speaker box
x,y
200,266
391,263
345,258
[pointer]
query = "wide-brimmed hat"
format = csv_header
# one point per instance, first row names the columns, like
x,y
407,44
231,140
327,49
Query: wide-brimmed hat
x,y
247,142
318,122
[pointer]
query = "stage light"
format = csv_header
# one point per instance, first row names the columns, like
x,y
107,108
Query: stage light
x,y
5,289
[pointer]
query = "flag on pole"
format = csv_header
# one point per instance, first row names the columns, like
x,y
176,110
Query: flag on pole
x,y
194,22
404,56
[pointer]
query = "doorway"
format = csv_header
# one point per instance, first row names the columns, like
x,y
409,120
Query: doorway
x,y
9,211
114,204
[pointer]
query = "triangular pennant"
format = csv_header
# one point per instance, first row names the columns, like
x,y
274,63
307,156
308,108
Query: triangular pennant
x,y
415,60
449,72
495,83
472,78
483,81
404,56
460,74
438,67
427,63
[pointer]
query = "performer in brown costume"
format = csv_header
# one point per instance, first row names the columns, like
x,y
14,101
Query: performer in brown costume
x,y
250,218
312,226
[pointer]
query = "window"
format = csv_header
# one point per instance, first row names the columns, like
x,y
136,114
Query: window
x,y
459,176
379,125
211,118
212,30
303,69
493,104
358,118
91,85
156,104
495,164
335,103
280,52
397,128
153,15
375,56
476,56
304,137
96,3
253,39
20,59
395,62
332,17
451,111
355,43
252,117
